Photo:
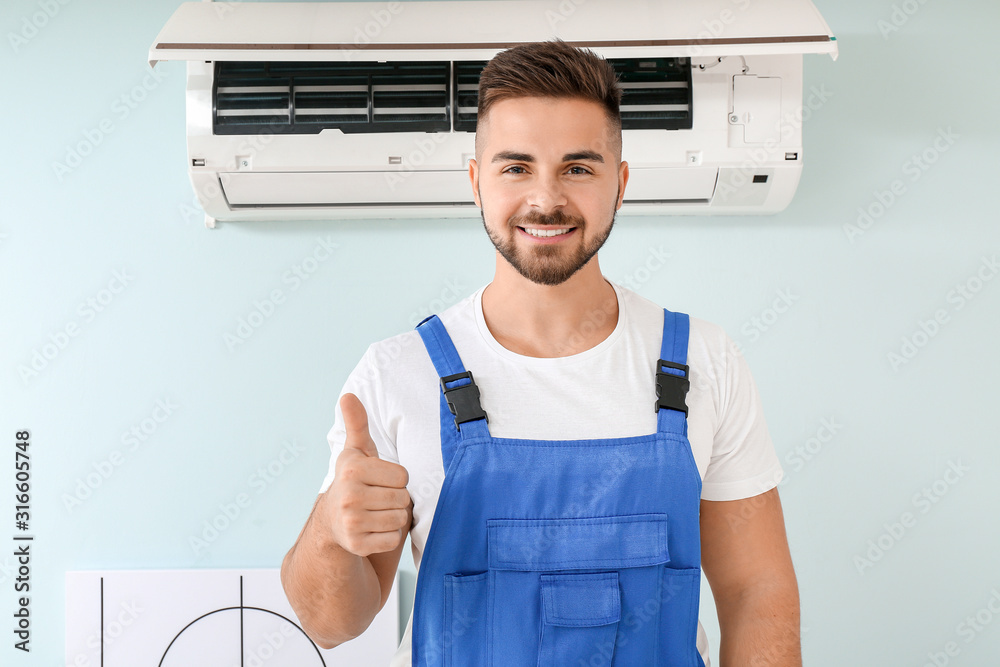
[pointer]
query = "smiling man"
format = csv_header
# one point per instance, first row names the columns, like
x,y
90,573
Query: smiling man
x,y
566,456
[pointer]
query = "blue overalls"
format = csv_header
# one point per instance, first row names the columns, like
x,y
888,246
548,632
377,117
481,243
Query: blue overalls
x,y
561,553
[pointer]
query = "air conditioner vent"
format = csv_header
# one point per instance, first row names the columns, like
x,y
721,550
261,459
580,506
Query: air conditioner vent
x,y
309,97
656,93
467,94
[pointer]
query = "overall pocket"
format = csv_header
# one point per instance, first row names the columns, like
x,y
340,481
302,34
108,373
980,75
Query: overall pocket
x,y
464,640
560,590
679,627
580,614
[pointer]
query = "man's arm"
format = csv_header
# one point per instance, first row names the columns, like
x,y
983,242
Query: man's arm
x,y
338,574
745,558
335,593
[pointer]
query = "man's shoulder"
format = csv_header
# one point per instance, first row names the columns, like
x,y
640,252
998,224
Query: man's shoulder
x,y
403,348
647,314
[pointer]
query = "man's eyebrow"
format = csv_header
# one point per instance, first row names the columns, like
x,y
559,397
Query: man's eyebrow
x,y
504,156
583,155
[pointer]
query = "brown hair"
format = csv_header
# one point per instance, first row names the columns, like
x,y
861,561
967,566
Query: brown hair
x,y
550,69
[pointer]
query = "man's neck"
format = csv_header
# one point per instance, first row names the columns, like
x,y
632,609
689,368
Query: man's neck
x,y
550,321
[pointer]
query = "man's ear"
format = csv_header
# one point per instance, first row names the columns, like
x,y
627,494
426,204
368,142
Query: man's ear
x,y
474,180
622,182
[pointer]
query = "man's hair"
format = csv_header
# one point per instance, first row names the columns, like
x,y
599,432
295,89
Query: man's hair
x,y
550,69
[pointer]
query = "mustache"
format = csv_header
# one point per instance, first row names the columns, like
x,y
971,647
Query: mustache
x,y
557,219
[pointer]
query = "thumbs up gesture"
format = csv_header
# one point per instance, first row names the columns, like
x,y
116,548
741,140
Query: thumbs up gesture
x,y
372,510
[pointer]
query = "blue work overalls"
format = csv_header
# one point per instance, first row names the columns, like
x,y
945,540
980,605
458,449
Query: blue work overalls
x,y
561,553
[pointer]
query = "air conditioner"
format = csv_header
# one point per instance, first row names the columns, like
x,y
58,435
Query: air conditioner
x,y
367,110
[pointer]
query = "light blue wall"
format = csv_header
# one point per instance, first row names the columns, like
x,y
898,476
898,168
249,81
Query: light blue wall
x,y
127,208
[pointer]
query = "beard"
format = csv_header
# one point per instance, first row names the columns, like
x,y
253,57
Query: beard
x,y
546,264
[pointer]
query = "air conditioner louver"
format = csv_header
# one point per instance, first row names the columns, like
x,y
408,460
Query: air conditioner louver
x,y
656,93
466,80
413,97
309,97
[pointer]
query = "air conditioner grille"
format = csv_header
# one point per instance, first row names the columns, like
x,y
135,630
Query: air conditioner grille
x,y
466,85
309,97
656,93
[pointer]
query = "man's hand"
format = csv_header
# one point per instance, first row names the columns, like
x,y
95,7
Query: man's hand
x,y
369,508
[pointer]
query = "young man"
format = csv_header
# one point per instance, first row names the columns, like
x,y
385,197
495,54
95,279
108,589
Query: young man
x,y
575,480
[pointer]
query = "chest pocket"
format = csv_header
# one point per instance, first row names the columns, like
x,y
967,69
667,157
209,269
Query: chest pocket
x,y
592,591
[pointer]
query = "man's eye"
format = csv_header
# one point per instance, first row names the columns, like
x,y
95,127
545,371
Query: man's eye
x,y
579,170
511,170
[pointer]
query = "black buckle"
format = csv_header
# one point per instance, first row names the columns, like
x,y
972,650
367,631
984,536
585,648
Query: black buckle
x,y
463,401
671,389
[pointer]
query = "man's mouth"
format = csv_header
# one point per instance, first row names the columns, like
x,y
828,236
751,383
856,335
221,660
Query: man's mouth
x,y
545,232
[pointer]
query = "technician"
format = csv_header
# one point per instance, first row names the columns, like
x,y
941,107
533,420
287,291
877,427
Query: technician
x,y
566,456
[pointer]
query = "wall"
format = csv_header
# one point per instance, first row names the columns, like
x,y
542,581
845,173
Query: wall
x,y
884,419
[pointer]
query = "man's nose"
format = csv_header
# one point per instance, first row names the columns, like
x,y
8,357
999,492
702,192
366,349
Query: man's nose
x,y
547,195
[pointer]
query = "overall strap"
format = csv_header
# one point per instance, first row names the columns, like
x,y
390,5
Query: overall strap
x,y
462,416
672,378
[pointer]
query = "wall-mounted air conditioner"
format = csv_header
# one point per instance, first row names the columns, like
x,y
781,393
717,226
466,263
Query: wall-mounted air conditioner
x,y
367,110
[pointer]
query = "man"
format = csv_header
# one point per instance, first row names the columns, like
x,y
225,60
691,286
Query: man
x,y
573,519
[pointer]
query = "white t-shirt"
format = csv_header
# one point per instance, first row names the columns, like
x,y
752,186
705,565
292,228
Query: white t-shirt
x,y
604,392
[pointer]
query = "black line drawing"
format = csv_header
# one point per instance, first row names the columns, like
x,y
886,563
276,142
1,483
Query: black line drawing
x,y
194,618
242,608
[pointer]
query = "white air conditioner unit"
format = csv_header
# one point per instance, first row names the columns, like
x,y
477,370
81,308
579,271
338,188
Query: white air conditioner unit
x,y
367,110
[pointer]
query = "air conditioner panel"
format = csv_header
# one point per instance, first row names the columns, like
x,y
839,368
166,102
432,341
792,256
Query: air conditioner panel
x,y
350,31
339,188
399,188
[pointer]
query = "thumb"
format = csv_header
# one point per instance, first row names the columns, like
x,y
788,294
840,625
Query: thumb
x,y
356,424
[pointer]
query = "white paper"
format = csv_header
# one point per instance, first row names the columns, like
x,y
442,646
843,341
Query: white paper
x,y
204,618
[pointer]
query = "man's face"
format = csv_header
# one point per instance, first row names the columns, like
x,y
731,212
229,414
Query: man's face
x,y
548,166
